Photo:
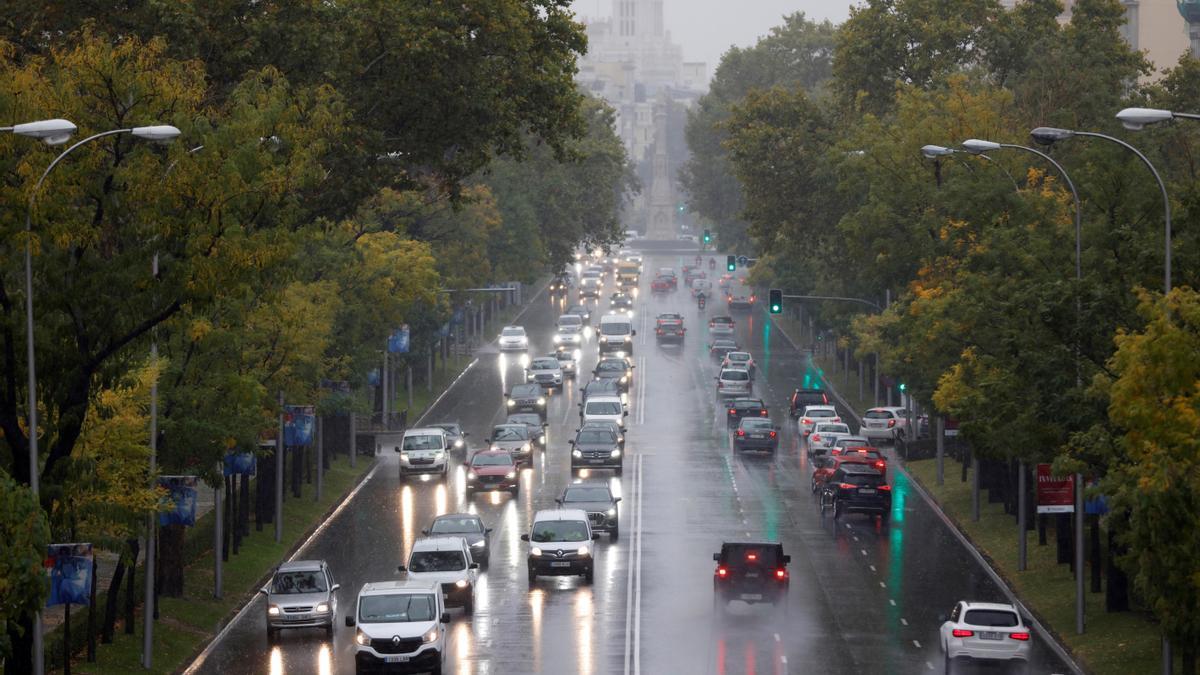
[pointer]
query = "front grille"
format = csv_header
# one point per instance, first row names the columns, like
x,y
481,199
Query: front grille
x,y
597,518
419,461
596,454
297,610
490,479
396,646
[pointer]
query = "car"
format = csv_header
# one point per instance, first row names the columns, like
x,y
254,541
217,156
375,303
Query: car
x,y
725,282
884,424
527,398
669,273
824,435
802,398
445,561
399,626
873,456
756,433
667,317
750,571
607,425
740,360
606,387
843,443
535,424
603,408
492,470
661,284
722,346
621,303
568,336
513,339
691,238
598,501
613,368
628,274
455,436
701,285
590,284
734,382
691,273
468,526
669,331
856,488
545,371
825,466
300,594
597,446
568,362
740,299
720,325
513,438
560,544
616,334
560,284
423,450
817,413
985,631
568,319
744,407
581,311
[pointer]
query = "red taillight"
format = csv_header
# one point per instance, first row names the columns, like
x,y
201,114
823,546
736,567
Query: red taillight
x,y
772,434
741,432
962,633
837,419
816,438
880,464
806,421
780,573
1019,636
733,411
722,572
751,556
891,423
847,486
762,413
885,487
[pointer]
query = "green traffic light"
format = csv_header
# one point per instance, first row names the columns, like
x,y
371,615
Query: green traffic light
x,y
775,309
903,386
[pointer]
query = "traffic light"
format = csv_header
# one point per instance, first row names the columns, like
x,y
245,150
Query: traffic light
x,y
707,237
903,387
730,263
681,207
775,301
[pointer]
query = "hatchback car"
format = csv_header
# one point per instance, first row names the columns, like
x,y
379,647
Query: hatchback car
x,y
824,435
721,325
468,526
720,347
734,382
752,572
527,398
744,407
825,466
802,398
568,336
662,284
301,594
512,438
857,488
545,371
669,331
985,631
493,470
400,626
513,339
560,543
817,413
445,561
756,433
537,428
598,501
581,311
886,424
740,360
740,299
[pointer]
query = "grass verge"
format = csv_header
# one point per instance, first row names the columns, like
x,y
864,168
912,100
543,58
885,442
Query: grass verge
x,y
1113,644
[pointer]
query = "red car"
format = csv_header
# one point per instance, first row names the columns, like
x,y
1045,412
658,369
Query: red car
x,y
874,455
493,470
662,285
830,465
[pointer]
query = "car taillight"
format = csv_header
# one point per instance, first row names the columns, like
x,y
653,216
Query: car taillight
x,y
816,438
837,419
720,384
1019,636
752,298
847,486
772,434
722,572
880,464
751,556
962,633
762,413
741,432
806,421
885,487
891,423
733,411
781,573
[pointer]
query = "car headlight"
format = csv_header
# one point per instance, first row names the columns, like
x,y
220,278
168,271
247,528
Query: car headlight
x,y
322,607
471,475
542,440
461,583
628,338
576,453
430,636
583,550
495,447
511,403
478,544
535,551
541,401
615,454
558,338
624,379
525,447
273,610
439,454
612,512
458,443
510,474
362,638
403,454
603,339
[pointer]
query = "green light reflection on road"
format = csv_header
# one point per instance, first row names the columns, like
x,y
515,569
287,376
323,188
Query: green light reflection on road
x,y
900,491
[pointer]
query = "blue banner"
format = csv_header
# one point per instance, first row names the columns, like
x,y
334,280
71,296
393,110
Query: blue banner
x,y
298,423
373,378
70,570
181,499
398,340
240,463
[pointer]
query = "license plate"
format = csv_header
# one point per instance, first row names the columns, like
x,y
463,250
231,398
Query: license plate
x,y
866,491
300,617
758,435
751,575
396,659
991,636
560,564
752,596
595,461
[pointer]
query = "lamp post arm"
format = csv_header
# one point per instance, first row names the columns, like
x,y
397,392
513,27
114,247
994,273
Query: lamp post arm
x,y
1016,188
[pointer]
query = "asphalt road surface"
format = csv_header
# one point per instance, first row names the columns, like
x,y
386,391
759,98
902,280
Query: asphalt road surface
x,y
863,599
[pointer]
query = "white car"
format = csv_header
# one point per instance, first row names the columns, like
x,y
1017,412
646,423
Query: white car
x,y
824,435
423,451
734,382
513,339
545,371
445,561
740,360
884,424
817,413
569,319
985,631
721,325
399,622
568,336
603,409
560,543
843,443
568,362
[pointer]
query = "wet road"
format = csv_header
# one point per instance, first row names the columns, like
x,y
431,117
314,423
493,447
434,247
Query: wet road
x,y
863,599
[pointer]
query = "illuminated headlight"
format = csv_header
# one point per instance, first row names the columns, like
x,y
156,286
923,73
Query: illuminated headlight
x,y
525,447
511,403
495,447
628,338
322,607
431,636
461,583
273,610
583,550
458,443
612,512
471,475
510,474
542,440
558,338
604,339
535,551
404,454
541,401
576,453
478,544
362,638
624,379
615,454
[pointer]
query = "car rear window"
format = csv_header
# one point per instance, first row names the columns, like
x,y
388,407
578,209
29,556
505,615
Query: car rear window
x,y
746,556
990,617
735,375
879,415
755,423
862,479
820,413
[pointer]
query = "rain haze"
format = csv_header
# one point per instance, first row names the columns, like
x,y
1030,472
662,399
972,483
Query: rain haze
x,y
706,28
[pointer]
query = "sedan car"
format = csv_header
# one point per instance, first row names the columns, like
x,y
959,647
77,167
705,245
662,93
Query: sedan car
x,y
514,438
740,360
491,470
560,285
513,339
545,371
886,424
756,433
613,368
466,525
621,303
720,347
455,436
744,407
721,325
597,500
662,284
823,467
527,398
301,594
984,631
666,317
597,446
537,428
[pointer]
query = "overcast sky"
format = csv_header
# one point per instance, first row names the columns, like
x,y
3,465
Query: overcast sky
x,y
706,28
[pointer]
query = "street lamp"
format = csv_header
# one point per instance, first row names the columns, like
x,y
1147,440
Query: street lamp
x,y
1136,119
53,132
936,152
1142,116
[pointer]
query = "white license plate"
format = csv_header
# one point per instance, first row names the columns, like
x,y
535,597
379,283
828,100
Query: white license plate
x,y
595,461
300,617
987,635
866,491
752,596
751,575
396,659
560,564
758,435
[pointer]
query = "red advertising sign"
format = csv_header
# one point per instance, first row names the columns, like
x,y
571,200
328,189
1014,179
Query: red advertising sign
x,y
1054,495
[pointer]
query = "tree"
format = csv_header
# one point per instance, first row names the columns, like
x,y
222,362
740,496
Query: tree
x,y
25,532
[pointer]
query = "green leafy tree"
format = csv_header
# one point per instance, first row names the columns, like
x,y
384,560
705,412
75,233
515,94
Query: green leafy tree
x,y
25,533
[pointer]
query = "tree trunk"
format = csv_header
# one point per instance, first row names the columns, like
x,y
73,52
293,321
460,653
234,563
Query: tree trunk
x,y
110,602
131,587
966,464
1062,537
170,561
21,639
1116,595
1094,551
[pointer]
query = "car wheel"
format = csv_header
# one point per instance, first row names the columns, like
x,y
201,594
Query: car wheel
x,y
615,533
589,576
948,665
516,491
837,509
884,519
469,605
329,629
814,486
272,636
618,470
532,576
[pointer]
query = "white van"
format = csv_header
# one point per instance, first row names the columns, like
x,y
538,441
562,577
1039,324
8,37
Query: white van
x,y
399,625
603,409
423,451
616,334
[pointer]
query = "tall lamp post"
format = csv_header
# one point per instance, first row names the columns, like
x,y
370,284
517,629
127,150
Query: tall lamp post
x,y
52,132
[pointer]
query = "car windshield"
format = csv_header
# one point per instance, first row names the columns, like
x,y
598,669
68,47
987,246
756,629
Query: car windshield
x,y
395,608
544,364
724,344
587,494
862,478
611,366
513,332
594,436
579,312
603,408
511,433
852,442
614,328
735,375
292,583
527,391
423,442
498,459
455,525
565,356
757,424
559,530
436,561
990,617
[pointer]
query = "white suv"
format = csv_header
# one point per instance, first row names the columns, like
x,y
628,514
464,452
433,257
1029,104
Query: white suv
x,y
513,339
423,451
400,627
560,543
445,561
603,409
985,631
817,413
887,424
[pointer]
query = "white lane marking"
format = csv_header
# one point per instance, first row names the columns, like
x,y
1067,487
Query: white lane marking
x,y
629,583
882,585
916,644
872,568
637,612
892,601
929,665
904,621
777,637
864,551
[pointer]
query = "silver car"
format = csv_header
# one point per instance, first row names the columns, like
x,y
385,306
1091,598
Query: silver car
x,y
568,362
734,382
301,594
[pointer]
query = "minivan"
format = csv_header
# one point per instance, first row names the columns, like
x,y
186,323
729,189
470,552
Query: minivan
x,y
616,335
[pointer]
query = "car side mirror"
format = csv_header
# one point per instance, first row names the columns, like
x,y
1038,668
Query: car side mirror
x,y
401,568
264,590
334,587
625,413
623,429
595,535
487,440
716,557
396,448
616,499
445,618
943,618
524,537
464,434
787,559
558,500
487,530
633,332
571,442
349,621
473,566
425,532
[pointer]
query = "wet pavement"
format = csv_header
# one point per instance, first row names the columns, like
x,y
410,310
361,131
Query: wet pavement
x,y
863,598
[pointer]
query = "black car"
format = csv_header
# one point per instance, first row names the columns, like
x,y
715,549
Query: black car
x,y
669,330
527,398
744,407
597,447
620,302
753,572
455,436
601,387
597,500
561,284
607,425
582,312
722,346
802,398
857,488
756,433
537,427
465,525
614,369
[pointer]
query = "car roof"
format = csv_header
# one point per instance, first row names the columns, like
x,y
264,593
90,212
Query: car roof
x,y
402,586
514,425
589,484
520,328
614,318
995,606
301,566
423,431
442,543
560,514
740,351
548,357
724,342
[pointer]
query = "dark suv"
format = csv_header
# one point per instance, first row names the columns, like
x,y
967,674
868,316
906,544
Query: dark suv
x,y
597,447
753,572
669,330
744,407
598,501
802,398
527,398
857,488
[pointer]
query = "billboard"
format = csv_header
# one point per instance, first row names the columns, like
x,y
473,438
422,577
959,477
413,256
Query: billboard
x,y
182,497
298,424
70,569
1054,495
240,463
398,340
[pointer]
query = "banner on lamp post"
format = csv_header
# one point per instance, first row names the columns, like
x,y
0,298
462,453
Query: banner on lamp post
x,y
398,340
240,463
298,423
182,496
69,567
1054,495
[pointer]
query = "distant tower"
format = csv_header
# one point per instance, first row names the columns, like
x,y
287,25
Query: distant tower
x,y
660,212
1190,9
